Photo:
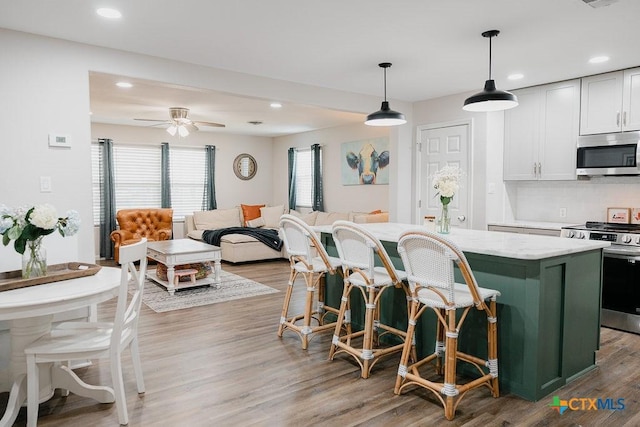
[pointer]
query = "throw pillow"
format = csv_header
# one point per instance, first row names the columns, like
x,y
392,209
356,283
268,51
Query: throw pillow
x,y
256,223
217,218
328,218
271,215
250,212
309,217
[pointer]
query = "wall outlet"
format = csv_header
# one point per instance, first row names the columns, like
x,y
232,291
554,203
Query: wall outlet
x,y
563,212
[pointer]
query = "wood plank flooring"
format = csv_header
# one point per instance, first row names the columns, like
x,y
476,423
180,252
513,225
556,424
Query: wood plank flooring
x,y
223,365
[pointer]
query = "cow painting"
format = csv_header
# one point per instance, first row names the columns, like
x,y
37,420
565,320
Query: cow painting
x,y
367,162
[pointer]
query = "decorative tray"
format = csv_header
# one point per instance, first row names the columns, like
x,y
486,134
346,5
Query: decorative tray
x,y
13,279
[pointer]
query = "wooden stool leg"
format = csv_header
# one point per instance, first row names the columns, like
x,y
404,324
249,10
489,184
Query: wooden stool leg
x,y
308,309
451,350
287,300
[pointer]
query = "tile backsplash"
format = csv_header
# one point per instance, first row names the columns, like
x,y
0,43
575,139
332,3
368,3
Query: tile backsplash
x,y
584,200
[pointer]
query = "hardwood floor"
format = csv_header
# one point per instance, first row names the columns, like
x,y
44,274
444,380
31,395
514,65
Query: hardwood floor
x,y
223,365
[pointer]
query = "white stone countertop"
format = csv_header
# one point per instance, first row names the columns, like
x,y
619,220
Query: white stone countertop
x,y
534,224
495,243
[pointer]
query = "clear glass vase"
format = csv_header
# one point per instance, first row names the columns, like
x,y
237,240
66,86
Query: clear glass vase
x,y
444,222
34,259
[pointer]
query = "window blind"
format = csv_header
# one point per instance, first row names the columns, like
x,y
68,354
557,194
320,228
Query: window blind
x,y
188,170
136,176
96,181
304,178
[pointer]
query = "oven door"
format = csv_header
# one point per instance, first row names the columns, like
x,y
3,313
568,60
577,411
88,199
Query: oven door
x,y
621,290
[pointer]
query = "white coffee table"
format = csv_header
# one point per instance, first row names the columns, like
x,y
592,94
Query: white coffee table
x,y
183,251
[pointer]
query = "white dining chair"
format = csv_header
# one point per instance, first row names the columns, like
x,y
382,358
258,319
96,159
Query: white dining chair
x,y
96,340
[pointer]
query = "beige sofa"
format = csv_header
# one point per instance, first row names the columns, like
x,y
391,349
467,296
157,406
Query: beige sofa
x,y
242,248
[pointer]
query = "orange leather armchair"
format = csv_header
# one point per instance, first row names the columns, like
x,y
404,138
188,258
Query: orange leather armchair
x,y
154,224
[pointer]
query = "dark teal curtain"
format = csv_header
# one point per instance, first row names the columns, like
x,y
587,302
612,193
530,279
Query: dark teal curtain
x,y
107,199
317,196
165,177
209,197
292,178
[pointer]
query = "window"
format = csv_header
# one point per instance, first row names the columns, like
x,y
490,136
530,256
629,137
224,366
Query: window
x,y
187,174
137,178
304,178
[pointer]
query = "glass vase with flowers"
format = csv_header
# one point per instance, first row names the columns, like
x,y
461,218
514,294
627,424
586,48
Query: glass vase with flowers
x,y
27,225
446,182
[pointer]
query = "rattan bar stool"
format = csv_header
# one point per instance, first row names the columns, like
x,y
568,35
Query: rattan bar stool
x,y
429,262
308,257
357,249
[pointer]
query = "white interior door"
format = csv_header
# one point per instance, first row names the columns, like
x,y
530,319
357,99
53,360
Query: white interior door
x,y
440,147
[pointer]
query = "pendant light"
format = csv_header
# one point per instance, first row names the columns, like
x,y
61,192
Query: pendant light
x,y
385,116
490,99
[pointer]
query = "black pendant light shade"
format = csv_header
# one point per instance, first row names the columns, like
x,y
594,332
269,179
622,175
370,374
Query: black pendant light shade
x,y
490,99
385,116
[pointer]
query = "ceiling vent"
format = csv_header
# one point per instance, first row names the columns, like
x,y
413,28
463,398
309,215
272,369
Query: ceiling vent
x,y
599,3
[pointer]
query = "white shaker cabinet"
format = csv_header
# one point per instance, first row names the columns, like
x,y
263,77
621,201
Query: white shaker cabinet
x,y
541,133
610,102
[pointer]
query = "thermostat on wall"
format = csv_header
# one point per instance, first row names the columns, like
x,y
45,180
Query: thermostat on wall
x,y
58,140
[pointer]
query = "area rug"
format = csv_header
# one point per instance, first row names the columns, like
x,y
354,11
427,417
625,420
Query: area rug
x,y
232,287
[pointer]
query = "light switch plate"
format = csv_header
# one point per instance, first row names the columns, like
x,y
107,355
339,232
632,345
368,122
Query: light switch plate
x,y
45,184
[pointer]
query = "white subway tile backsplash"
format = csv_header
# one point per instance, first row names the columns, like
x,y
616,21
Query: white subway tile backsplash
x,y
586,200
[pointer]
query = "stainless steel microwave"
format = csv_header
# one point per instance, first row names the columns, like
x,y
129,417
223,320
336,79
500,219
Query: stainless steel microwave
x,y
609,154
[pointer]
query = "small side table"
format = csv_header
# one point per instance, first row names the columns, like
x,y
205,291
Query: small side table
x,y
183,251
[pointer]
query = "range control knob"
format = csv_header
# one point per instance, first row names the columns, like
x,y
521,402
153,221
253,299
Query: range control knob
x,y
626,239
570,234
638,240
579,235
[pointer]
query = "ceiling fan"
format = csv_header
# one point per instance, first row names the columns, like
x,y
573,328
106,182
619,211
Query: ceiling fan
x,y
180,122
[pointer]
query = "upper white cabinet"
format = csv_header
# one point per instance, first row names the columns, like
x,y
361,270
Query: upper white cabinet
x,y
541,133
610,102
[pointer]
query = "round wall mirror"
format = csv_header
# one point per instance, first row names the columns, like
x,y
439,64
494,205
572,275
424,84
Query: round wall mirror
x,y
245,166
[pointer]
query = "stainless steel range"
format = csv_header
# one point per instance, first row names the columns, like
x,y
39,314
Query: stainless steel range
x,y
621,271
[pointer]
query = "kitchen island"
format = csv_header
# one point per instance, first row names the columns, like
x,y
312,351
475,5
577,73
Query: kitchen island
x,y
548,311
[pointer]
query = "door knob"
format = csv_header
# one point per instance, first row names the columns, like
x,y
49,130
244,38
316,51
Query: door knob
x,y
461,218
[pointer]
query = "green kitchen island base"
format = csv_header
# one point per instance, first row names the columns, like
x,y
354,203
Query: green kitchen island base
x,y
548,310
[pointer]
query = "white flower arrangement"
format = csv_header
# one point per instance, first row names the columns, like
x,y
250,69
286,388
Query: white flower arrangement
x,y
446,183
25,224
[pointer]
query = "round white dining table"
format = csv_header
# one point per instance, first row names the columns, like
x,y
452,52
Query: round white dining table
x,y
30,311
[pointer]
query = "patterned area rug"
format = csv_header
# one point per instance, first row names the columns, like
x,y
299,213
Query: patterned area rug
x,y
231,287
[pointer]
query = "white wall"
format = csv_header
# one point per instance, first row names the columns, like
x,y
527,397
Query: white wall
x,y
337,197
45,88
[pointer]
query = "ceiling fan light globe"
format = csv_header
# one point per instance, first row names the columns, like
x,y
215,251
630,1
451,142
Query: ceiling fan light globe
x,y
183,131
172,130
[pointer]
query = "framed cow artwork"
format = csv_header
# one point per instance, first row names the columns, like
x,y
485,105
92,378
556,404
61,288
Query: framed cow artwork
x,y
365,162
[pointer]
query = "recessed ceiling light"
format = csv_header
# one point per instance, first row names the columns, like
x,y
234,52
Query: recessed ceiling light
x,y
106,12
598,59
515,76
276,105
124,84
